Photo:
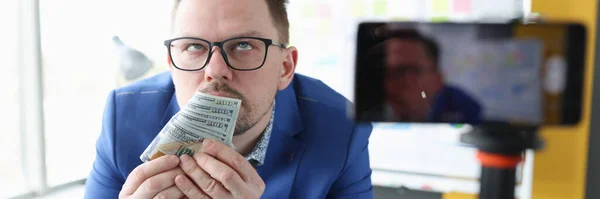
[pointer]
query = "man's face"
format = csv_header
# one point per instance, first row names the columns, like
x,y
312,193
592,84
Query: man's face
x,y
218,20
409,71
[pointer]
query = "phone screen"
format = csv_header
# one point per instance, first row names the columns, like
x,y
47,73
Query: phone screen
x,y
472,73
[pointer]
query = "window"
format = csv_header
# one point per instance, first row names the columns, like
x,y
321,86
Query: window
x,y
77,75
81,66
11,172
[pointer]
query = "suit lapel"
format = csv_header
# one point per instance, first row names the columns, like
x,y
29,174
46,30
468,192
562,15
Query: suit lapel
x,y
281,164
171,110
285,147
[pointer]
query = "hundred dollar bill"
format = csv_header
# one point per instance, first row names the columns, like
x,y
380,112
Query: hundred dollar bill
x,y
199,129
218,111
204,116
214,121
218,101
218,116
214,125
172,139
199,122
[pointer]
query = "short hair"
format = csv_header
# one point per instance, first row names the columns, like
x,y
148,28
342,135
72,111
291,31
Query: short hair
x,y
278,11
432,50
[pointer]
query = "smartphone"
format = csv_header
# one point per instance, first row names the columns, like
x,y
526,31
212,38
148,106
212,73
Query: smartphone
x,y
469,73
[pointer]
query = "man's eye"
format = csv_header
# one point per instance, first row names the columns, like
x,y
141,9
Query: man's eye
x,y
194,47
243,46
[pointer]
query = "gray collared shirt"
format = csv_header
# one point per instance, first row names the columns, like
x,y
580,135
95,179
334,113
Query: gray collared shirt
x,y
258,154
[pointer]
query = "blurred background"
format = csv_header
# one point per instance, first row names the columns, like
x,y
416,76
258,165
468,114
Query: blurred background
x,y
57,72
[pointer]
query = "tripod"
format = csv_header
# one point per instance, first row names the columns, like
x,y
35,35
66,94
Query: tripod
x,y
500,149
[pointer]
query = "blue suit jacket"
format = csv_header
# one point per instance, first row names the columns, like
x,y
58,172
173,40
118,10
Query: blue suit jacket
x,y
456,106
315,151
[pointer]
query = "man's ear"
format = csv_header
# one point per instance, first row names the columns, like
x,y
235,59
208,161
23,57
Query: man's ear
x,y
289,67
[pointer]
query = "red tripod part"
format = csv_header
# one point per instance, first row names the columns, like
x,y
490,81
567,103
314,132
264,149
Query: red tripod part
x,y
498,175
499,151
500,161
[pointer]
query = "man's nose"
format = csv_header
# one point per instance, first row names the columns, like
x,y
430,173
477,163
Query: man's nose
x,y
217,67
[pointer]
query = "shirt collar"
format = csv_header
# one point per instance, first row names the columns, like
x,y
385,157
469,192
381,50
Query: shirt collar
x,y
259,152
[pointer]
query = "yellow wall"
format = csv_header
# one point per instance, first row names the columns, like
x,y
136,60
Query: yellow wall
x,y
560,168
458,196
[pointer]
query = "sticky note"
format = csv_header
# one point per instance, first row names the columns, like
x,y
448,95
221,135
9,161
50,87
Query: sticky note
x,y
379,8
462,6
439,19
400,19
323,10
308,10
410,9
440,6
357,8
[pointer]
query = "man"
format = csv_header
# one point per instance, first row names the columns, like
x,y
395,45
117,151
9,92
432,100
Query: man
x,y
414,85
291,128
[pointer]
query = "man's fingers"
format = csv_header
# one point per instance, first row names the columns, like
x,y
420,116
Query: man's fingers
x,y
188,188
147,170
222,173
207,184
171,192
155,184
233,159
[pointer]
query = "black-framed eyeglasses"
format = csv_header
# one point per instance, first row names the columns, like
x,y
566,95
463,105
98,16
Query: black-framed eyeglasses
x,y
402,70
240,53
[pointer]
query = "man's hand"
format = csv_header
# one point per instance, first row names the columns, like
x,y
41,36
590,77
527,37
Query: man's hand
x,y
219,172
153,179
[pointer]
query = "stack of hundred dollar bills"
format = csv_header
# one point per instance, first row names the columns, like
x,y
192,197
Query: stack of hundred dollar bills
x,y
204,116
